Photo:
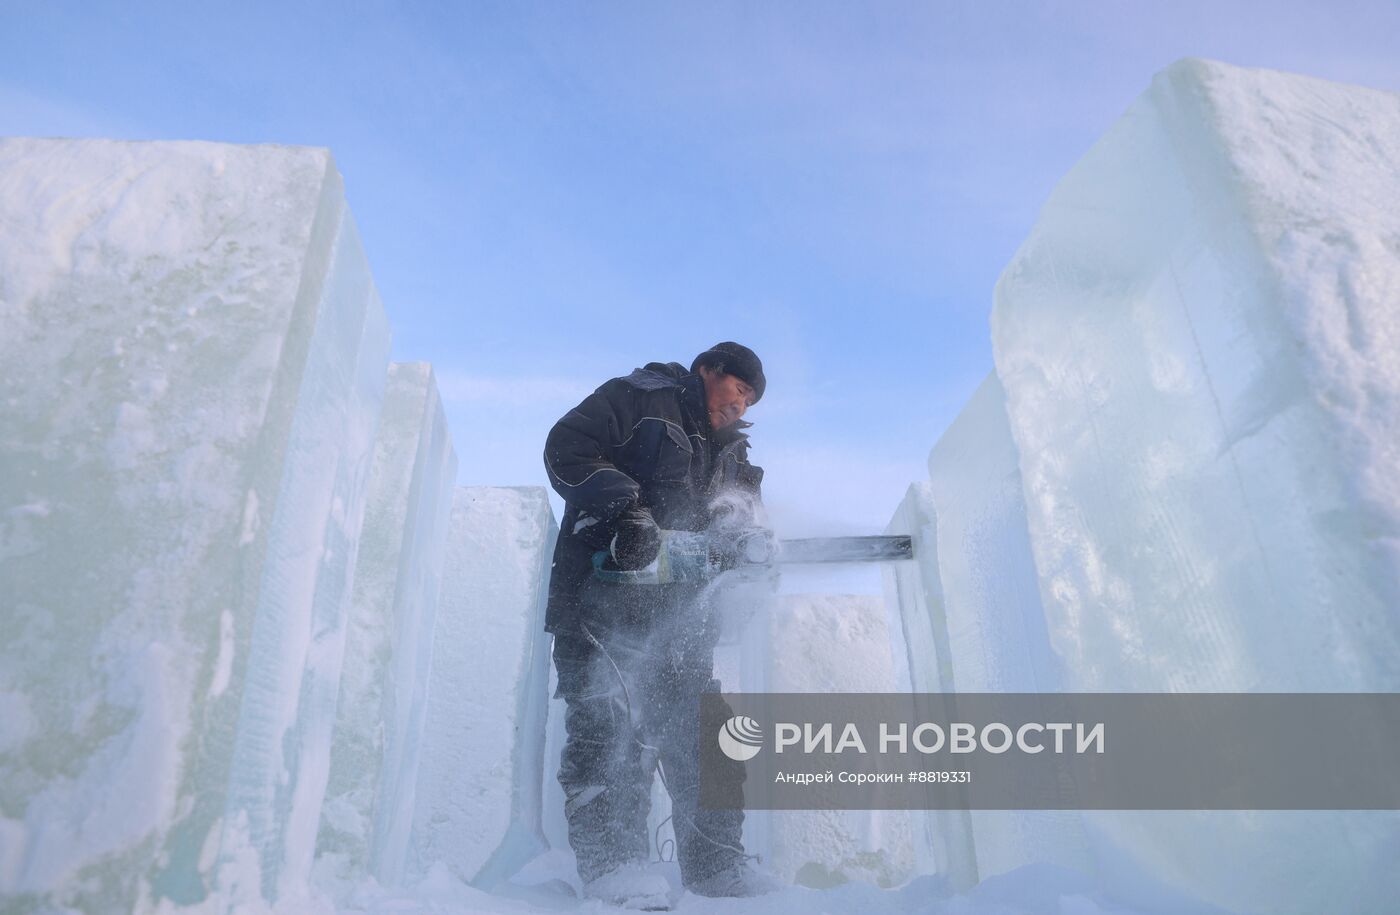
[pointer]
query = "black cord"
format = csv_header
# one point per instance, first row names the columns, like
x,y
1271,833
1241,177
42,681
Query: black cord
x,y
660,769
660,846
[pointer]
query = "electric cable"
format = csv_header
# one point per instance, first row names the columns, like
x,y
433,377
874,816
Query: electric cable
x,y
660,769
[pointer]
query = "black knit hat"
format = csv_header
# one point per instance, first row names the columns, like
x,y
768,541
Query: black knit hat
x,y
737,360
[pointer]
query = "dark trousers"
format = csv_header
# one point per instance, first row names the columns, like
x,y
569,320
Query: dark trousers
x,y
631,673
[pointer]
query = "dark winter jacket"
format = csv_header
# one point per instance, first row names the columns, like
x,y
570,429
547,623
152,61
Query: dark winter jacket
x,y
641,440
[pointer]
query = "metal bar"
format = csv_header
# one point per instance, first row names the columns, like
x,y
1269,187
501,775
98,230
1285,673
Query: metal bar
x,y
846,549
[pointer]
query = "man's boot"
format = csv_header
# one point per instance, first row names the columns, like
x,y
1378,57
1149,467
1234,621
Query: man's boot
x,y
631,886
742,878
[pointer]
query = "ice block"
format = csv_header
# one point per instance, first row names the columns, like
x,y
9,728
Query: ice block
x,y
994,624
1197,343
477,807
191,367
384,681
834,643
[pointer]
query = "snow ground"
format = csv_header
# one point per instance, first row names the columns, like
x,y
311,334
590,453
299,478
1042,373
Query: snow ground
x,y
1030,889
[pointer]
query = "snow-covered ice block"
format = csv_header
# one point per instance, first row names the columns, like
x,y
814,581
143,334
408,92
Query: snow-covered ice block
x,y
993,621
972,622
384,681
191,368
918,628
995,626
1198,344
834,643
481,767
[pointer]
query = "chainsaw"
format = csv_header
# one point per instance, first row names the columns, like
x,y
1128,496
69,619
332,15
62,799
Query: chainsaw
x,y
701,556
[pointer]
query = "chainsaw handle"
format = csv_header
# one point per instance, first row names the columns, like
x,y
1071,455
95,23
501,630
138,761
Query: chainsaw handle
x,y
618,576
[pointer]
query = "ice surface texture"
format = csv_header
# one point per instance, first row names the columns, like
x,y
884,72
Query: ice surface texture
x,y
1198,343
971,621
991,617
384,682
995,626
833,643
481,769
192,361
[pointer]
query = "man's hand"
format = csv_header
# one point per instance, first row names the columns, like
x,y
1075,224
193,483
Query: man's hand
x,y
637,540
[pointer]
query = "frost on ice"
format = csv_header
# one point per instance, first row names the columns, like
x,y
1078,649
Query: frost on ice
x,y
384,684
970,620
1194,343
252,633
481,775
832,643
1197,344
190,330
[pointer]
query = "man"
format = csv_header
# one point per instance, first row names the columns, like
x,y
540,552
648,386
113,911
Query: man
x,y
660,449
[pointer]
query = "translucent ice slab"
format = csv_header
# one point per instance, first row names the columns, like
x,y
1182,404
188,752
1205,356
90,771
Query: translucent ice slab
x,y
384,681
1198,345
970,620
477,807
191,367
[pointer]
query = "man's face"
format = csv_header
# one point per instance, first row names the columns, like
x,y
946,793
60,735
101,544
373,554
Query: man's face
x,y
726,397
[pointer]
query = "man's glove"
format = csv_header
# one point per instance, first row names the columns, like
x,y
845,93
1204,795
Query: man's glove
x,y
637,539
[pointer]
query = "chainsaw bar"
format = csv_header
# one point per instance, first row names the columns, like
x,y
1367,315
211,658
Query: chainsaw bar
x,y
846,549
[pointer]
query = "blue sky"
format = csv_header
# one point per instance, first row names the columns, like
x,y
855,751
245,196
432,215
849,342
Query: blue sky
x,y
553,193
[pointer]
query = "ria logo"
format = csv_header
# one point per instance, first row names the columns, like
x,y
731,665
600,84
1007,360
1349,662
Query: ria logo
x,y
740,738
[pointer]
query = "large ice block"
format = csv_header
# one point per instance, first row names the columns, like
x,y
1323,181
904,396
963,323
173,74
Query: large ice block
x,y
981,605
191,368
834,643
384,681
996,631
918,627
1198,344
477,807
